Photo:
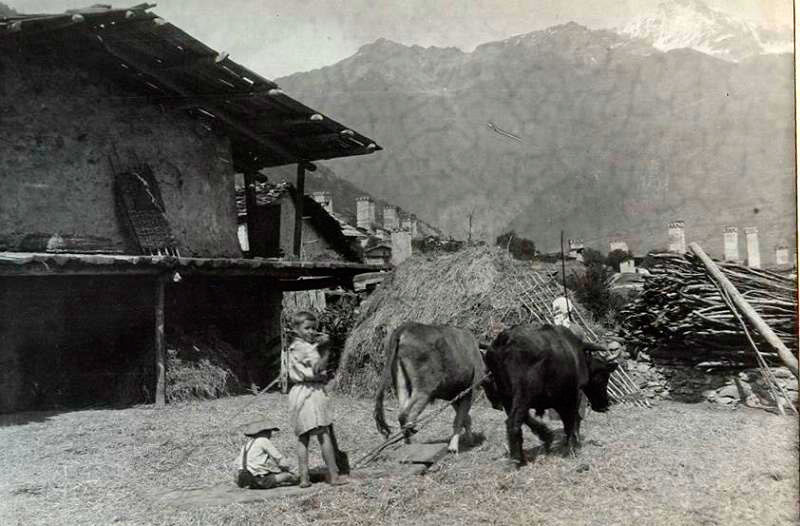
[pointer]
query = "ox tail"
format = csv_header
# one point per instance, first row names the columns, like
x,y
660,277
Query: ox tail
x,y
390,357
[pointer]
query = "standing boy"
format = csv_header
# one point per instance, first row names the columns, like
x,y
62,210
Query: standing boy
x,y
308,400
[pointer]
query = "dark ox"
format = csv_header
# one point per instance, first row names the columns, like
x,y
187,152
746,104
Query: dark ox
x,y
426,362
544,367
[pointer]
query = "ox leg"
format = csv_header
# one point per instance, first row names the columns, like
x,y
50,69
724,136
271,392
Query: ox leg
x,y
569,417
461,420
541,430
408,417
517,416
468,428
403,395
580,410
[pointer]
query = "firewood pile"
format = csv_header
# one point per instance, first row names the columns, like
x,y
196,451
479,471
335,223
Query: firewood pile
x,y
680,317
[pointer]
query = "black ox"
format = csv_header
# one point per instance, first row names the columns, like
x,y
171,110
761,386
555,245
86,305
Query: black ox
x,y
544,367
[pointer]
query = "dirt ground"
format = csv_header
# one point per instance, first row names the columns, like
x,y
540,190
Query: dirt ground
x,y
673,464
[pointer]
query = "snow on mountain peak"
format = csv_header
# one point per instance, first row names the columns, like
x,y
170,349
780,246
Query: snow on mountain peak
x,y
692,24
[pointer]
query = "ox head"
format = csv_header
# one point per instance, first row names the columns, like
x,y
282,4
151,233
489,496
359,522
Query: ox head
x,y
492,391
489,383
600,370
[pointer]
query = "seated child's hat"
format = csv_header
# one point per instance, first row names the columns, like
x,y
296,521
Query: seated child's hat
x,y
254,428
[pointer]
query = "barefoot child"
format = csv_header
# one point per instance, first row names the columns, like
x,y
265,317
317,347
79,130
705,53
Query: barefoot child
x,y
308,401
260,464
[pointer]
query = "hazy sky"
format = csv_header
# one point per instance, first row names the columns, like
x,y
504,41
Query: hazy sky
x,y
276,38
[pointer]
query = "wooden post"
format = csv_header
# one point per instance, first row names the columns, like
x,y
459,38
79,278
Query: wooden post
x,y
160,345
298,209
273,329
250,206
760,325
564,278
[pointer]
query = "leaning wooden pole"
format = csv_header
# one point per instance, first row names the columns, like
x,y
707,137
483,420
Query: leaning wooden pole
x,y
789,359
160,345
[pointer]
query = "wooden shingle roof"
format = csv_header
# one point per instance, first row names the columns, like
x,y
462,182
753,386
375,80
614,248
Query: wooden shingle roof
x,y
168,66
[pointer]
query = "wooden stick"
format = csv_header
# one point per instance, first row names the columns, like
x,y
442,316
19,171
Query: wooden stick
x,y
766,373
766,332
564,277
251,203
160,345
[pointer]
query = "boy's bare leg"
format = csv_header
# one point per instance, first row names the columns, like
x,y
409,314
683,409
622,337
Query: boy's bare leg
x,y
302,460
329,455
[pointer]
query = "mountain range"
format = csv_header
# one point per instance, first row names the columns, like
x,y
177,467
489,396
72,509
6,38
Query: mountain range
x,y
692,24
592,132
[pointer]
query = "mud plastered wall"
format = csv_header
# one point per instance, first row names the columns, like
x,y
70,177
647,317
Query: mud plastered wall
x,y
59,126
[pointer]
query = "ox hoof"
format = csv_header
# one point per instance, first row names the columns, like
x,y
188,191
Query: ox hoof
x,y
452,446
514,465
570,452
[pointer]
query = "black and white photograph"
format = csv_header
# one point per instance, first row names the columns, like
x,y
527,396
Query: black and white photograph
x,y
413,262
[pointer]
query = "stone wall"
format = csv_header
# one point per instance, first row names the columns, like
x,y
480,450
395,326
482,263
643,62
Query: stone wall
x,y
60,127
700,384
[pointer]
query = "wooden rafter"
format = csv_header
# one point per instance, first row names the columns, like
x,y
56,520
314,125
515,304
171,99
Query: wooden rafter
x,y
212,108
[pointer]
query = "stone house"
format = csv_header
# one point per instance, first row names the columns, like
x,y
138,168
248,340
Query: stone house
x,y
121,137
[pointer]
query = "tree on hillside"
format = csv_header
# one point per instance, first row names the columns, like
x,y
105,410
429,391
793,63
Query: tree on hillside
x,y
6,10
591,287
519,247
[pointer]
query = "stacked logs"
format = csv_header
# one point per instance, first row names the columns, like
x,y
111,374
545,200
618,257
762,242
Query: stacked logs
x,y
680,316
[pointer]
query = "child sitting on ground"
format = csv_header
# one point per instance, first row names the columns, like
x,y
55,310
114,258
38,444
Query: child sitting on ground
x,y
259,458
307,359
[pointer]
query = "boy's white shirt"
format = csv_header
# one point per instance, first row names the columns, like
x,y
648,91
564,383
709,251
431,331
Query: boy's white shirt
x,y
259,455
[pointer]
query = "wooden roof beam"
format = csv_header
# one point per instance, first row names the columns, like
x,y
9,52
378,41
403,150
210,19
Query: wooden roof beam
x,y
188,62
43,23
209,106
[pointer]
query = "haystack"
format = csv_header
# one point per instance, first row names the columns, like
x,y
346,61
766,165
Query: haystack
x,y
203,366
475,289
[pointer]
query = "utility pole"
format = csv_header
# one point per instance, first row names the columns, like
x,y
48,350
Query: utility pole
x,y
564,277
469,234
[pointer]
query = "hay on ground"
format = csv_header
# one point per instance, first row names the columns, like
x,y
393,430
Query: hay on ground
x,y
203,366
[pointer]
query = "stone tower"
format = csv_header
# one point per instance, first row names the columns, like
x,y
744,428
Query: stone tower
x,y
753,252
731,240
677,236
391,221
365,212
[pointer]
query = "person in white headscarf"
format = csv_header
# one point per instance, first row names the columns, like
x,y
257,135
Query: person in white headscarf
x,y
562,309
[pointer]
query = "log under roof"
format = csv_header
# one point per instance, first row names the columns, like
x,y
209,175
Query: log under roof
x,y
290,274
